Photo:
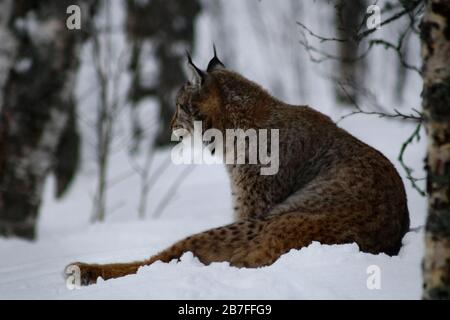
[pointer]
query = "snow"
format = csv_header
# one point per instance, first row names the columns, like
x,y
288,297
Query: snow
x,y
34,270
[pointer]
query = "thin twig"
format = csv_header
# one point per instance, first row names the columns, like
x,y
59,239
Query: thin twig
x,y
358,36
172,191
396,114
321,38
412,11
415,134
409,170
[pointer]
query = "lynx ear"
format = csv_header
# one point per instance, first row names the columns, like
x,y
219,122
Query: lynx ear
x,y
197,74
215,63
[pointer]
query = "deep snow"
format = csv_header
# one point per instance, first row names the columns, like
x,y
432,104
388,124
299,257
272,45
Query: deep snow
x,y
34,270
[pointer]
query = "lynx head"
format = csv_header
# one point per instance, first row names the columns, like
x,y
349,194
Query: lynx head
x,y
199,98
220,98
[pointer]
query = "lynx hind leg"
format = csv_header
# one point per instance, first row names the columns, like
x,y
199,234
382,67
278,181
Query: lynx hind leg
x,y
249,243
260,242
284,232
215,245
279,234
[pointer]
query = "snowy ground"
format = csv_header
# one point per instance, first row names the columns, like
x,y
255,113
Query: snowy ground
x,y
34,270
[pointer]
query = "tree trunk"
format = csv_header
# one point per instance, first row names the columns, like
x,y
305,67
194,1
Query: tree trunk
x,y
435,35
147,24
350,70
36,103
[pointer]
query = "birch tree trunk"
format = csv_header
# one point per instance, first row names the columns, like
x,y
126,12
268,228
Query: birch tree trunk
x,y
435,35
38,69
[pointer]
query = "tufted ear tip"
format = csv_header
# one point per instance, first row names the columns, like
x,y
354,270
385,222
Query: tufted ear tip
x,y
215,63
198,74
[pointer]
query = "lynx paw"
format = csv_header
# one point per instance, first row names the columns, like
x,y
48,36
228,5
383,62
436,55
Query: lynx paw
x,y
251,257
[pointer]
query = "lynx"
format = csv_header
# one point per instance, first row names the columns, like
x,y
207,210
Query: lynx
x,y
330,186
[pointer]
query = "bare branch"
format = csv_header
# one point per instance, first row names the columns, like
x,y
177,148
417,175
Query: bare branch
x,y
409,170
417,117
321,38
357,37
397,49
412,11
